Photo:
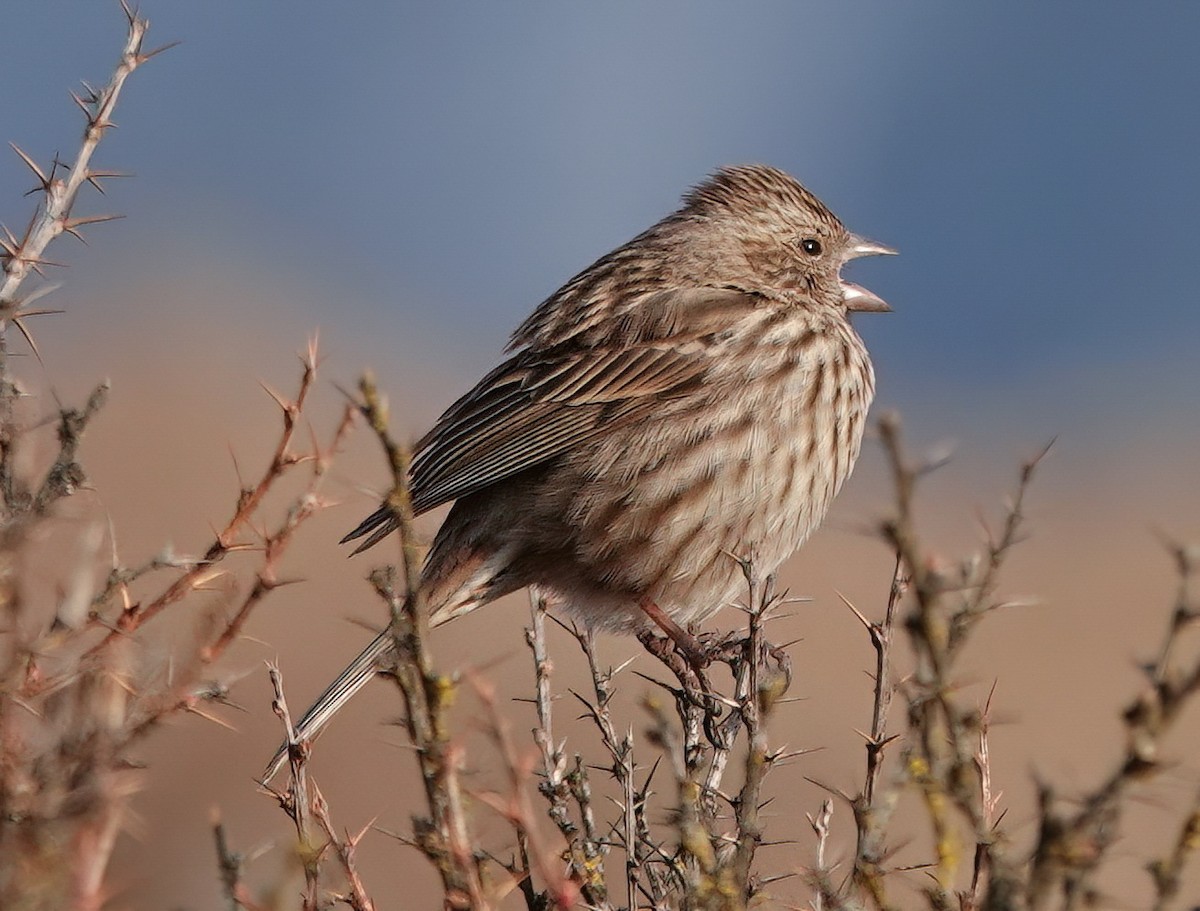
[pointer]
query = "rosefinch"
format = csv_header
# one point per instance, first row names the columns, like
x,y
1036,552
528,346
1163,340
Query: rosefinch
x,y
695,394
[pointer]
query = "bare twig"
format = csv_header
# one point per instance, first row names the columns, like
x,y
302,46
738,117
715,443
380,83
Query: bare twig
x,y
66,475
444,838
620,749
560,891
561,784
1167,871
346,850
229,863
1071,846
941,756
823,892
59,187
297,802
872,811
228,539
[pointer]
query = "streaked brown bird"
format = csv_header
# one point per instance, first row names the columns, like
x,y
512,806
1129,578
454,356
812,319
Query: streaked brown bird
x,y
695,394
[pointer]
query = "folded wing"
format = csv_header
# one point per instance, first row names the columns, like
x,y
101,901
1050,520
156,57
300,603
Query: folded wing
x,y
543,402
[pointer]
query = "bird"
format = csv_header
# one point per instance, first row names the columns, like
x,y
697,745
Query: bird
x,y
695,396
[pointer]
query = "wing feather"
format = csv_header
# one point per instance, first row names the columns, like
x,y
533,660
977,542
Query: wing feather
x,y
560,404
544,401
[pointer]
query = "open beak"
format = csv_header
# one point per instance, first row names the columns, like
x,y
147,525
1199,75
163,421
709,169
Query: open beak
x,y
859,299
860,246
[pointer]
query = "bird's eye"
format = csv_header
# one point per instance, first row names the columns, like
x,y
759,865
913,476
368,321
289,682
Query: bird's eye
x,y
811,246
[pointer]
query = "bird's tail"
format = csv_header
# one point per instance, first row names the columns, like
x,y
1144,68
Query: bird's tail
x,y
454,592
345,685
463,599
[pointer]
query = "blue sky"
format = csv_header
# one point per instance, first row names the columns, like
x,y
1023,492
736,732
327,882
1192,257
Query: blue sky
x,y
437,169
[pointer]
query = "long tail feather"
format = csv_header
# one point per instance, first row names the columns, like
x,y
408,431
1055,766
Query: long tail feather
x,y
468,583
348,682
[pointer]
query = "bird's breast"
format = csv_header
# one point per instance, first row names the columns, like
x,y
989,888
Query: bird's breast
x,y
747,466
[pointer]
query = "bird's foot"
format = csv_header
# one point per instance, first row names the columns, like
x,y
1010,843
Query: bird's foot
x,y
686,664
691,649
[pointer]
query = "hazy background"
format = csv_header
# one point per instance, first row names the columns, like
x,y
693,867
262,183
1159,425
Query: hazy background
x,y
412,179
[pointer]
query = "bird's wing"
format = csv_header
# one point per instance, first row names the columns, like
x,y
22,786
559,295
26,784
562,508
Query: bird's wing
x,y
539,404
543,401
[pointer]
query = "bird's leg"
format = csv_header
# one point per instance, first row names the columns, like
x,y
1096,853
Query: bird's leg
x,y
696,690
687,644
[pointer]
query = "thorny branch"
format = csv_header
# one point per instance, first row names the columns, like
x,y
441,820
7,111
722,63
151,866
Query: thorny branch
x,y
563,783
297,801
947,756
873,808
69,712
59,187
559,892
230,864
1167,872
1072,845
712,864
444,837
940,755
701,856
200,570
304,804
346,850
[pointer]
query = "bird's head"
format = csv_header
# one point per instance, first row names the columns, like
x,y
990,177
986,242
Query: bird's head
x,y
772,236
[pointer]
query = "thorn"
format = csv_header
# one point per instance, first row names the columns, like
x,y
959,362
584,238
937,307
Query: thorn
x,y
71,226
646,784
237,470
780,842
362,832
142,58
83,105
767,880
36,262
314,443
28,338
780,757
311,357
284,406
674,691
854,610
208,716
10,242
70,223
620,667
1045,451
32,165
987,706
829,789
350,397
94,178
280,583
911,868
